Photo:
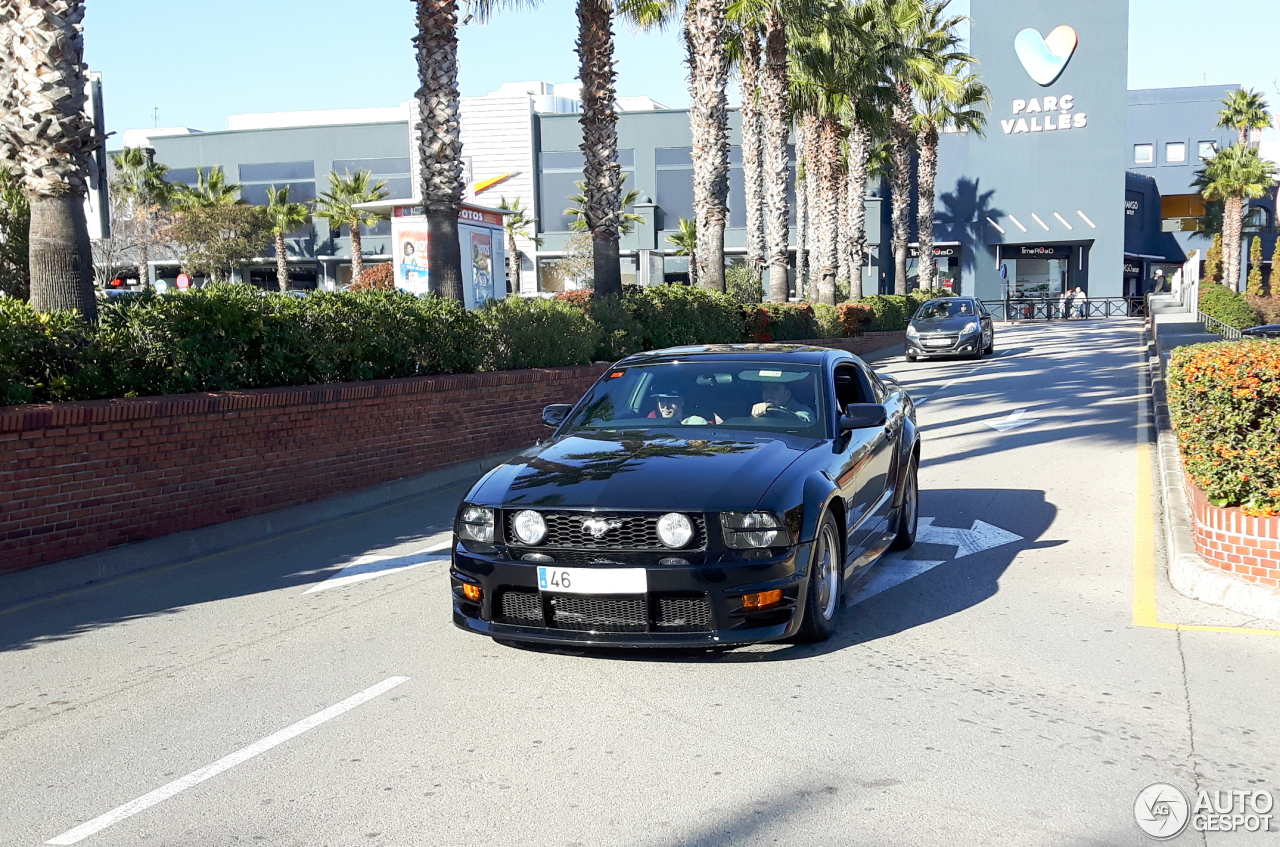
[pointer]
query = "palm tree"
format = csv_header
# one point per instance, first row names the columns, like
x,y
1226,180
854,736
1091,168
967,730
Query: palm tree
x,y
1232,176
1244,111
626,220
340,207
601,186
210,190
744,49
705,31
439,138
963,112
285,217
519,224
686,242
47,138
140,181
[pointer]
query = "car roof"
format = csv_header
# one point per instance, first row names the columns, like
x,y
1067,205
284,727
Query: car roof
x,y
799,354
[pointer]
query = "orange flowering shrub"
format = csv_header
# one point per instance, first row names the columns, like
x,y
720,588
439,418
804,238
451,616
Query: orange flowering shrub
x,y
1224,400
379,277
856,317
766,322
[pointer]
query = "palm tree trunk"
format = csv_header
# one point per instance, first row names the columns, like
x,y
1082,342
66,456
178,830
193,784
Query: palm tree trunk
x,y
357,253
752,148
709,126
45,132
440,142
900,210
804,164
927,192
777,165
1232,226
282,265
144,262
813,198
827,180
856,203
602,178
842,230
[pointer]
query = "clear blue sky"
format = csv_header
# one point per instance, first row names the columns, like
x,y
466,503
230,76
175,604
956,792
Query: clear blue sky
x,y
198,61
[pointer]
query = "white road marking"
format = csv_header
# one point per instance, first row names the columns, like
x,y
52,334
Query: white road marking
x,y
1013,421
887,574
376,565
163,793
983,536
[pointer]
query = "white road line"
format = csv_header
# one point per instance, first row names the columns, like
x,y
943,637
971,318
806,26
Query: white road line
x,y
163,793
376,565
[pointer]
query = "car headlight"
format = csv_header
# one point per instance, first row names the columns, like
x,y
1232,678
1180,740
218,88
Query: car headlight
x,y
912,332
675,530
748,530
529,526
476,524
971,326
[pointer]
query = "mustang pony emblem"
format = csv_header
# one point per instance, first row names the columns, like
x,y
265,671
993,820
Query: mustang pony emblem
x,y
599,526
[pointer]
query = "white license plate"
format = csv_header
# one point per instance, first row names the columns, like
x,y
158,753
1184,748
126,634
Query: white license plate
x,y
593,580
937,342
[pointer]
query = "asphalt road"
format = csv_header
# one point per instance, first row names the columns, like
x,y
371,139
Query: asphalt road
x,y
999,697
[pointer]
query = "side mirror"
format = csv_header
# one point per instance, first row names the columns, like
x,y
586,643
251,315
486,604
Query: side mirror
x,y
554,415
863,416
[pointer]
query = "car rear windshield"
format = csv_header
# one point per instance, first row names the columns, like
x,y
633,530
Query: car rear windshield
x,y
692,396
945,309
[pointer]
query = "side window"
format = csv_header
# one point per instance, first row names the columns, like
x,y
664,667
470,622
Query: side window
x,y
878,391
849,386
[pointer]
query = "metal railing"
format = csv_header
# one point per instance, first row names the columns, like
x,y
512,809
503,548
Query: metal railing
x,y
1217,327
1051,309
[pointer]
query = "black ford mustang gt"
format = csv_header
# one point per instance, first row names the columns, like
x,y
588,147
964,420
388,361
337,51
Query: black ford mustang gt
x,y
696,496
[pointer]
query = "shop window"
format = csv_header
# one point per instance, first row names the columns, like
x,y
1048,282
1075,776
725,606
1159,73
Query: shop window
x,y
299,192
185,176
395,166
1257,219
1208,149
1143,154
567,160
1175,152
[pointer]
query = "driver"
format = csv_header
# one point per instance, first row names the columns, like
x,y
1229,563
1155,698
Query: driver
x,y
776,395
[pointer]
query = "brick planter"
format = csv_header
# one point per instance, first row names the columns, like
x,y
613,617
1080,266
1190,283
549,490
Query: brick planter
x,y
79,478
1244,546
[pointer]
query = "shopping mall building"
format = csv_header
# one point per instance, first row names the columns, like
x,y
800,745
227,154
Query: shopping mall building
x,y
1076,182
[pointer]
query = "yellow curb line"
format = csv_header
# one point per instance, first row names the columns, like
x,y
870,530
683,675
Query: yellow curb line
x,y
1145,613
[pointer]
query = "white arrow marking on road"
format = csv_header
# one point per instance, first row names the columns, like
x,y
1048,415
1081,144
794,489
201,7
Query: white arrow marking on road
x,y
887,574
1014,421
983,536
374,566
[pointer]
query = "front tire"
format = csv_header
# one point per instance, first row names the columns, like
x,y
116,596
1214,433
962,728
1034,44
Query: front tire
x,y
991,345
826,584
909,515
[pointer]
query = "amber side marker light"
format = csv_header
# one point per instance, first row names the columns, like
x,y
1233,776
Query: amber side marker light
x,y
762,599
472,592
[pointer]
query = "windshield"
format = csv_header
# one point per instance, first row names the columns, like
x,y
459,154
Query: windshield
x,y
705,396
945,309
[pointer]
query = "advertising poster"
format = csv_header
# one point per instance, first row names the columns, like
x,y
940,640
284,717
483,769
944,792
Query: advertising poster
x,y
411,258
481,267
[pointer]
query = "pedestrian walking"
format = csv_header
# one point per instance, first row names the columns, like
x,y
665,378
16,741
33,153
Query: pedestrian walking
x,y
1067,296
1082,303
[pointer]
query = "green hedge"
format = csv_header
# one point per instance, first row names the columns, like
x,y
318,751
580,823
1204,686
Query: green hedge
x,y
234,336
1224,402
1218,301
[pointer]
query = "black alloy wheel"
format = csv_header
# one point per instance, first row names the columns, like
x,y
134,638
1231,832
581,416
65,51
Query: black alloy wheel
x,y
826,584
991,345
909,514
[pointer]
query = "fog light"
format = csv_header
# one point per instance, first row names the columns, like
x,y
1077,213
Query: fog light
x,y
673,562
472,592
537,557
762,599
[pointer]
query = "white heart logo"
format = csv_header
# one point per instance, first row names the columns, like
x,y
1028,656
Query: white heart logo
x,y
1045,58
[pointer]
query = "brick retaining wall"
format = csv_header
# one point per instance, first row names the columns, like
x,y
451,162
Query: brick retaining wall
x,y
78,478
1238,544
858,345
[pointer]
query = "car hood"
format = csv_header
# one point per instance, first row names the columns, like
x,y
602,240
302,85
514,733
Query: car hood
x,y
942,324
643,471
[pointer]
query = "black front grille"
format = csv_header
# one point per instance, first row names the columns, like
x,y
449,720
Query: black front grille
x,y
600,614
633,532
639,558
520,607
683,614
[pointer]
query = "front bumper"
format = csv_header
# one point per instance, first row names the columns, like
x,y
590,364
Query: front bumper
x,y
962,346
686,606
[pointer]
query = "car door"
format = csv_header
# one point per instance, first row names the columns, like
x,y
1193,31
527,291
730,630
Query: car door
x,y
988,327
867,458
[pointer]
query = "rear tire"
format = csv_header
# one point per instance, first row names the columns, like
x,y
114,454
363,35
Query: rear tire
x,y
909,515
825,585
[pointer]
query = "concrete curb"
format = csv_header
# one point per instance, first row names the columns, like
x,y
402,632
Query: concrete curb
x,y
886,353
1189,573
183,546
